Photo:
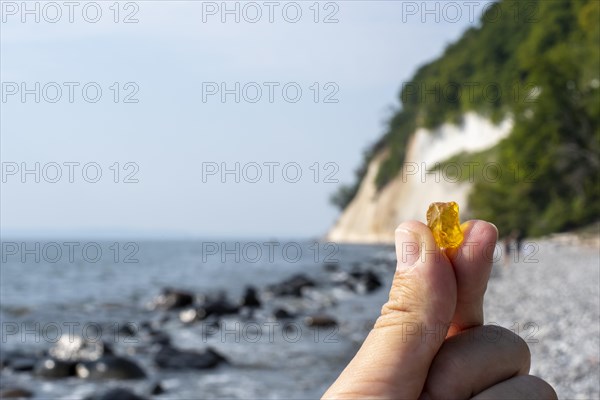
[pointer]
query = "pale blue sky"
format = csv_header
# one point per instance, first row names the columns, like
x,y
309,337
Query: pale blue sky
x,y
170,132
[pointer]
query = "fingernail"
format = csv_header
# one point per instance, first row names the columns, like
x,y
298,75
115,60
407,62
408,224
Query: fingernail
x,y
407,248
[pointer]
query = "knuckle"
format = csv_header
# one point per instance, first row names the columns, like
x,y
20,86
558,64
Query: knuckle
x,y
446,385
404,303
543,390
517,344
512,342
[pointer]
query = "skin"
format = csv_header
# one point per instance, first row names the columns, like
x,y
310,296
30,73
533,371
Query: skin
x,y
429,341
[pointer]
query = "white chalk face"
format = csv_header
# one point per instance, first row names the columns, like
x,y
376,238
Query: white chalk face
x,y
474,134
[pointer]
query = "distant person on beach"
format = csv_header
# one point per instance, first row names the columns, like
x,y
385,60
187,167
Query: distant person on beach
x,y
513,242
429,341
519,236
508,241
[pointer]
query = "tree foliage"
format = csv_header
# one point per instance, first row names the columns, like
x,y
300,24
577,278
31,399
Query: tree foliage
x,y
539,62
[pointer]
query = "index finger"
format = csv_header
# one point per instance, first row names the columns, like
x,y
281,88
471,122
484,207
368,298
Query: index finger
x,y
472,262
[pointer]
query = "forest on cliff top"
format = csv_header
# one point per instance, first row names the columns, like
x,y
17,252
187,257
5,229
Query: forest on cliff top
x,y
537,62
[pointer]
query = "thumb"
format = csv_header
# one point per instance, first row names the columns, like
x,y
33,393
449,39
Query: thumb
x,y
395,357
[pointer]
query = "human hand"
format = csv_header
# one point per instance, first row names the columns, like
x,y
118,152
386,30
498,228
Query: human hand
x,y
429,341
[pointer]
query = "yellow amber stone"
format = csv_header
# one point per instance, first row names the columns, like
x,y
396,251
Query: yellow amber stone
x,y
442,219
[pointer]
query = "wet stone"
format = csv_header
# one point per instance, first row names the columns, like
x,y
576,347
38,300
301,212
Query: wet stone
x,y
52,368
110,367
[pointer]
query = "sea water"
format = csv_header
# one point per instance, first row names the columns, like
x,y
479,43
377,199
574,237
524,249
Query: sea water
x,y
51,288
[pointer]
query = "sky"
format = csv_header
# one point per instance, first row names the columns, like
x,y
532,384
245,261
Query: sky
x,y
171,119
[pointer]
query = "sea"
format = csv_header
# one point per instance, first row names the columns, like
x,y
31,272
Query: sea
x,y
52,289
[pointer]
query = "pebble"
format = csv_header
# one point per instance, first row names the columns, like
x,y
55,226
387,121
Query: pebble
x,y
320,320
110,367
169,357
52,368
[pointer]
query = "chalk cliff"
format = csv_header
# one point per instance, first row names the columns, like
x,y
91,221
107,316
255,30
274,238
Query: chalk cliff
x,y
372,216
540,83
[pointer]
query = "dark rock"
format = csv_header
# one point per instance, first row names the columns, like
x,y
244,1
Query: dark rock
x,y
146,325
370,281
171,299
14,393
356,274
4,359
115,394
282,313
53,368
22,363
210,305
331,267
9,358
110,367
292,286
250,298
217,307
77,348
157,389
128,329
320,320
359,281
159,337
171,358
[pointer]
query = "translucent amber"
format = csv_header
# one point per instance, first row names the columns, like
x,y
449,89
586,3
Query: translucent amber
x,y
442,219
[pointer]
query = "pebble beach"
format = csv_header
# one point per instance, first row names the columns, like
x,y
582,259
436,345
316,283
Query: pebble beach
x,y
552,300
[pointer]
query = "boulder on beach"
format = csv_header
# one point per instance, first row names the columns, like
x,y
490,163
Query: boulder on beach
x,y
320,320
157,389
331,267
282,313
366,281
358,281
124,330
216,308
250,298
110,367
292,286
171,299
52,368
17,361
169,357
